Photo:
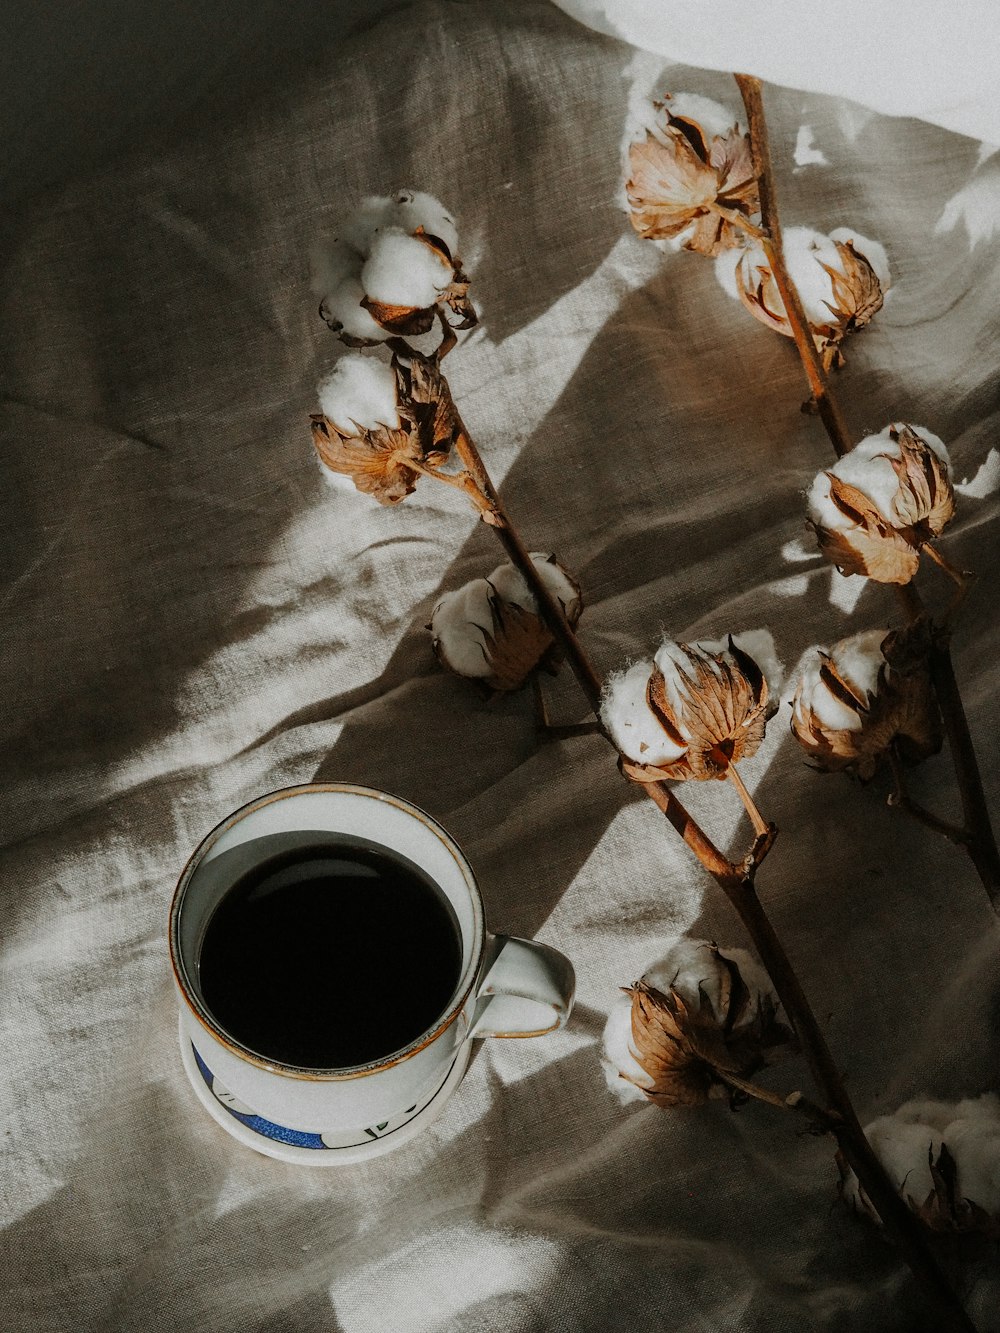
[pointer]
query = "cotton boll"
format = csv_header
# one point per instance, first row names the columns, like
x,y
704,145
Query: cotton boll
x,y
858,660
714,118
975,1145
903,1150
927,1111
627,716
343,306
331,262
405,271
873,251
511,586
360,391
869,469
459,623
865,468
413,209
691,968
621,1069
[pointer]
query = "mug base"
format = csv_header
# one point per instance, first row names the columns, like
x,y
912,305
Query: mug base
x,y
339,1148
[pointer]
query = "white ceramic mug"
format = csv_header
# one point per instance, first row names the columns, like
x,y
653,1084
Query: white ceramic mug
x,y
506,988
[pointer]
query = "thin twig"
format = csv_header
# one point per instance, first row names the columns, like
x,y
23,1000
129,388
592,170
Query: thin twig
x,y
760,824
821,1120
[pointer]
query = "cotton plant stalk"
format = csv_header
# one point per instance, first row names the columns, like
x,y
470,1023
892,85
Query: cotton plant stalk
x,y
717,705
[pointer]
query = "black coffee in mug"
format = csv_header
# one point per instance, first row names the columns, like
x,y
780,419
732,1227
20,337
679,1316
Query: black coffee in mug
x,y
330,955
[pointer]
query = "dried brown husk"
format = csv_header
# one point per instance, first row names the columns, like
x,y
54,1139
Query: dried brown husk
x,y
901,713
410,321
925,501
725,712
688,1049
945,1211
857,297
676,177
378,460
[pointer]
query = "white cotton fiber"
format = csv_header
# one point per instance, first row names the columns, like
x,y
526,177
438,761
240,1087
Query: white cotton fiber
x,y
971,1131
413,209
459,623
805,251
858,659
512,588
691,968
868,468
344,307
621,1069
404,270
360,391
728,261
627,716
331,262
714,118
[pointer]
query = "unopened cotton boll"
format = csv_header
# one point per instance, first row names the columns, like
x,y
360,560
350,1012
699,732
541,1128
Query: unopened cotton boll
x,y
633,726
360,392
403,270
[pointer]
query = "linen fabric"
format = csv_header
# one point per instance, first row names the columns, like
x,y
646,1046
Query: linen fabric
x,y
193,617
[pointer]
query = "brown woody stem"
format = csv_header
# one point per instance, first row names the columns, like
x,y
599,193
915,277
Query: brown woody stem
x,y
760,825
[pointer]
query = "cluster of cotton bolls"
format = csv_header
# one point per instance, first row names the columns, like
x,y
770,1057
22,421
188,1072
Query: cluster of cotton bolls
x,y
392,262
693,969
686,669
907,1141
489,629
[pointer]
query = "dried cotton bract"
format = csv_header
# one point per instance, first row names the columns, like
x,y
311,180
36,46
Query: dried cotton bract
x,y
382,423
694,161
851,705
391,268
842,280
880,503
695,1017
490,629
944,1159
690,713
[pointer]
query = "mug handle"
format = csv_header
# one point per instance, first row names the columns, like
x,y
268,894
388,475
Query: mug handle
x,y
526,989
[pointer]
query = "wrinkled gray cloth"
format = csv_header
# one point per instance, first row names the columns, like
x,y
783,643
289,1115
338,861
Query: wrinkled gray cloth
x,y
192,618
